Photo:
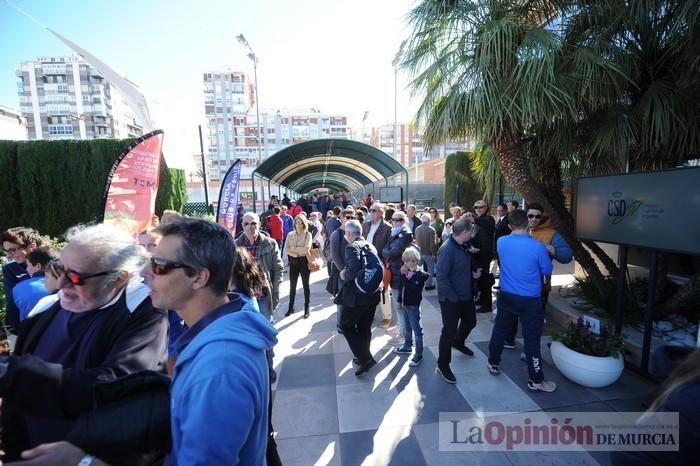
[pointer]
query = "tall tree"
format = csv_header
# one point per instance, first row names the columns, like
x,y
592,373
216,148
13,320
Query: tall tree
x,y
490,70
561,88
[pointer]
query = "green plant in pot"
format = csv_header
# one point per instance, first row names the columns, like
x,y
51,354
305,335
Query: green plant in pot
x,y
587,358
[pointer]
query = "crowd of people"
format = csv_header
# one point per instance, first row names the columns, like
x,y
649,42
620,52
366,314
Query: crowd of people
x,y
103,319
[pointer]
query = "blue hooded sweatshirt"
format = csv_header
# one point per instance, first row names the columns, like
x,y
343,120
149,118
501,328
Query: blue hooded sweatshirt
x,y
220,389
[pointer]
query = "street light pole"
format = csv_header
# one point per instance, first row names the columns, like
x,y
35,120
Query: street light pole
x,y
364,118
395,63
254,58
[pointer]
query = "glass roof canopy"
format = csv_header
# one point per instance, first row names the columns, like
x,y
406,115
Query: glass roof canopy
x,y
335,164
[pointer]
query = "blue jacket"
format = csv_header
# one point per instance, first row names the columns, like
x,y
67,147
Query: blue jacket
x,y
562,251
454,272
394,250
221,389
12,274
287,224
27,293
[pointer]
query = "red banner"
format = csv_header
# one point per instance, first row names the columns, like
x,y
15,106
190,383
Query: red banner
x,y
130,194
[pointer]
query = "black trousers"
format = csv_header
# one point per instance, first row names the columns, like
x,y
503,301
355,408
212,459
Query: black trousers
x,y
485,284
298,266
512,330
458,320
356,324
531,313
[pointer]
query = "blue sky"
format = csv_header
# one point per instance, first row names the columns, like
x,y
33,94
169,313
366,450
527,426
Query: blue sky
x,y
328,54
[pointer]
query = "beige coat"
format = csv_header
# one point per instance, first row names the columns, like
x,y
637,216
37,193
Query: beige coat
x,y
297,245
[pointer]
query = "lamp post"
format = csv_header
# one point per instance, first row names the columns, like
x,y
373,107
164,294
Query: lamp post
x,y
364,118
254,58
395,64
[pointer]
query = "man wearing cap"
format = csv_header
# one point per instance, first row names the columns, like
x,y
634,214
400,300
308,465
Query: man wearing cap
x,y
484,241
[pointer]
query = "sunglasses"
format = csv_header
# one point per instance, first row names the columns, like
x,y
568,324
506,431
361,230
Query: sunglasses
x,y
349,217
534,215
76,278
52,268
298,223
479,206
13,250
250,223
163,267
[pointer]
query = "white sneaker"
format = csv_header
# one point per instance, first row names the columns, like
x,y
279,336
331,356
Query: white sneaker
x,y
544,386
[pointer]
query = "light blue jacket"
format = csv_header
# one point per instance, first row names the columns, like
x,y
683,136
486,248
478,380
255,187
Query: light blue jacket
x,y
220,392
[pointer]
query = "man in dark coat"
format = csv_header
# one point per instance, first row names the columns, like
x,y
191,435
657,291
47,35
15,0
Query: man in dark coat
x,y
454,273
484,241
378,232
102,326
502,228
358,307
286,201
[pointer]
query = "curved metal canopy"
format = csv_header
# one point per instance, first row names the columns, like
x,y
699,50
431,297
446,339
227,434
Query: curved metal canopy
x,y
336,164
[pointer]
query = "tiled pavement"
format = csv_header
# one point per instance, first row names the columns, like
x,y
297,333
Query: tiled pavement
x,y
324,415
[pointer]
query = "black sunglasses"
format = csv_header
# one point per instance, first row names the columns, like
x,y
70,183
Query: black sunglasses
x,y
534,215
250,223
76,278
163,267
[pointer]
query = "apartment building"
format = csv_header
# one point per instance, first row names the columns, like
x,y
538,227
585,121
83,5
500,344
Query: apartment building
x,y
408,147
67,98
233,128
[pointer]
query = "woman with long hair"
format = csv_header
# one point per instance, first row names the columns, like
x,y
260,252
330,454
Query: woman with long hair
x,y
436,222
246,279
296,247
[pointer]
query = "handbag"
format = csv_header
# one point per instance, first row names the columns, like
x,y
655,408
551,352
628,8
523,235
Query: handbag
x,y
387,274
313,258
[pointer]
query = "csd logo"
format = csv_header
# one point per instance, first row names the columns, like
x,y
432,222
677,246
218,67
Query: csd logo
x,y
619,210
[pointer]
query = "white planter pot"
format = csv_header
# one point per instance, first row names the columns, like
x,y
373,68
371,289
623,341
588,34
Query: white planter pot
x,y
589,371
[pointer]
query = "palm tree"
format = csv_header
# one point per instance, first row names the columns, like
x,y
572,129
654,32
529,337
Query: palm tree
x,y
560,85
490,70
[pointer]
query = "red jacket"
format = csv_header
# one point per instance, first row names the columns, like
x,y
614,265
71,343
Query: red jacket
x,y
274,224
295,210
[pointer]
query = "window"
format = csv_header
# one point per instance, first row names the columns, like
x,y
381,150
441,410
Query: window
x,y
60,129
62,88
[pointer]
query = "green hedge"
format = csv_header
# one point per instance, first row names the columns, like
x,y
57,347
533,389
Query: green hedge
x,y
53,185
458,170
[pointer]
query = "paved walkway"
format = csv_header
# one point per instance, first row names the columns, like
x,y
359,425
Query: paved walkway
x,y
324,415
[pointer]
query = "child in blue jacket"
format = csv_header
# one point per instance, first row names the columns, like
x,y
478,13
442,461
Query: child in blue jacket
x,y
410,295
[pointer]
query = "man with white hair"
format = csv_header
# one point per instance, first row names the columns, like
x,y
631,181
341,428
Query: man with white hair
x,y
358,305
426,237
102,326
378,232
